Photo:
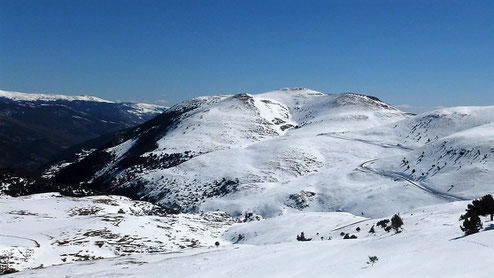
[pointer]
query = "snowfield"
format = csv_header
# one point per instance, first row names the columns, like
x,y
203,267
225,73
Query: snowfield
x,y
48,229
430,245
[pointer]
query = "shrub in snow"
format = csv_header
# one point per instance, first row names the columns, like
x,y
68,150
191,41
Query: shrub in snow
x,y
471,223
483,206
471,220
396,222
249,216
372,260
383,223
347,236
302,237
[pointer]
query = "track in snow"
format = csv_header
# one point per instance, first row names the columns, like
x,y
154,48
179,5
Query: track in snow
x,y
349,224
364,168
379,144
36,243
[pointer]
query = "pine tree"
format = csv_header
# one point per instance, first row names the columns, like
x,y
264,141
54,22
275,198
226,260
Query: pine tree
x,y
302,237
471,223
396,222
372,260
483,206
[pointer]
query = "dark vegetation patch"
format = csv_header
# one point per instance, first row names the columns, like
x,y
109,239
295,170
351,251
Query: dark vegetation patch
x,y
14,184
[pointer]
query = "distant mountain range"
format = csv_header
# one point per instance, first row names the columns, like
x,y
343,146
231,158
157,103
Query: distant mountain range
x,y
35,127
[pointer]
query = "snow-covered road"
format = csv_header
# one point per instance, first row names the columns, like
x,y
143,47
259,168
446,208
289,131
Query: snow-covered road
x,y
365,168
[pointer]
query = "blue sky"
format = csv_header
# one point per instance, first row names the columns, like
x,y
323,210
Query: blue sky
x,y
418,53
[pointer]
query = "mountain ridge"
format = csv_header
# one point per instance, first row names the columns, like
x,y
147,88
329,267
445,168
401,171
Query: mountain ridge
x,y
35,127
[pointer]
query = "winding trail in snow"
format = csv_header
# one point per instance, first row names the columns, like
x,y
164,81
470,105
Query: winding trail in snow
x,y
395,175
370,142
364,168
350,224
36,243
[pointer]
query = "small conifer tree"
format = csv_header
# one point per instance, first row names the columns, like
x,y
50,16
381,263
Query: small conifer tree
x,y
396,222
471,223
372,260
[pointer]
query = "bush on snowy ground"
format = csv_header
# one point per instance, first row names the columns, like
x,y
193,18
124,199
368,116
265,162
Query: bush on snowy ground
x,y
471,223
383,223
483,206
302,237
372,260
471,220
348,236
396,222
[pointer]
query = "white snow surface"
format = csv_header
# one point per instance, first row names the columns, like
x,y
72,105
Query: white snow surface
x,y
140,109
48,229
430,244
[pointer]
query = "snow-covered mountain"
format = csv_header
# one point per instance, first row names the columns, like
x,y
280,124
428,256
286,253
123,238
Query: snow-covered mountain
x,y
34,127
280,163
295,149
264,154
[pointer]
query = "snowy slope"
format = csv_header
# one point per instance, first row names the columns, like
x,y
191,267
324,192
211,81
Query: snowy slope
x,y
252,153
450,150
48,229
460,163
287,150
430,245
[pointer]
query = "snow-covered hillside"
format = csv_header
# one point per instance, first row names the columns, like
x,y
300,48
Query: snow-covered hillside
x,y
48,229
430,244
35,128
282,163
286,150
453,150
